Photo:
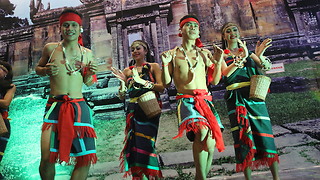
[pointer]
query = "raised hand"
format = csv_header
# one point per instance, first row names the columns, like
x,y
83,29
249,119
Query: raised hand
x,y
218,54
245,52
166,57
51,69
92,68
261,47
118,74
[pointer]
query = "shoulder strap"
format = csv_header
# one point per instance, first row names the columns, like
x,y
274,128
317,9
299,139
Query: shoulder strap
x,y
53,52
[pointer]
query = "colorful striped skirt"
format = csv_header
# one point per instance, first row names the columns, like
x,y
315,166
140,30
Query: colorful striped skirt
x,y
138,157
80,147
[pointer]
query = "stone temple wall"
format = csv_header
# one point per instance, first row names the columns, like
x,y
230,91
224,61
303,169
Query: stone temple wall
x,y
110,26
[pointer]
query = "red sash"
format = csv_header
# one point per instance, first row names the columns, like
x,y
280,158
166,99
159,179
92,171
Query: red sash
x,y
65,126
200,104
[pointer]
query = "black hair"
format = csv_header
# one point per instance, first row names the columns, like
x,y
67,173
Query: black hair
x,y
223,41
70,10
149,57
5,83
189,16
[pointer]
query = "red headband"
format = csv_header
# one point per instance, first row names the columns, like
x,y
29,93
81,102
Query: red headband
x,y
198,41
72,17
188,20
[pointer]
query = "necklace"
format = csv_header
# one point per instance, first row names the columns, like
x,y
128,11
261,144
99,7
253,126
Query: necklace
x,y
76,66
192,68
236,58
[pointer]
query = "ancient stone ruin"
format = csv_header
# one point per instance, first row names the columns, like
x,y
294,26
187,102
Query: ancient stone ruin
x,y
111,25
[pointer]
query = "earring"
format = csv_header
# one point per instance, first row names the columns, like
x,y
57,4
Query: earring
x,y
225,43
81,30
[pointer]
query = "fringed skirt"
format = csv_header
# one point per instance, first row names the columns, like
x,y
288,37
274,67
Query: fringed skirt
x,y
83,148
252,133
190,120
138,157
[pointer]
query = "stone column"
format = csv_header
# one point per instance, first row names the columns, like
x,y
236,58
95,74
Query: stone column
x,y
120,47
153,27
115,52
299,21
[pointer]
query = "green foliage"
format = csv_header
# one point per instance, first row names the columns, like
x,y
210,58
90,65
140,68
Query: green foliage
x,y
110,135
292,107
226,159
7,20
6,8
305,68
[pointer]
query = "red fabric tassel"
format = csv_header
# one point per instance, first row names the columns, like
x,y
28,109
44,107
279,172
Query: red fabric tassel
x,y
204,110
243,122
53,157
4,114
138,172
193,126
84,131
86,160
210,73
241,113
263,162
127,128
199,43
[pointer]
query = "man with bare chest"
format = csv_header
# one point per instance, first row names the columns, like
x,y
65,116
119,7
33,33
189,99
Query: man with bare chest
x,y
188,65
67,132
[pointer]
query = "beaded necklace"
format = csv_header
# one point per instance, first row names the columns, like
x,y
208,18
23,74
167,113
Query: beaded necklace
x,y
72,69
192,68
231,57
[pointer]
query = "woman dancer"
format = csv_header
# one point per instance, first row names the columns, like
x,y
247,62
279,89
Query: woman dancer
x,y
250,122
138,157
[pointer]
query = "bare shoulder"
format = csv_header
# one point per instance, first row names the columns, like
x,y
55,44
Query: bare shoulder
x,y
88,54
154,65
86,50
50,46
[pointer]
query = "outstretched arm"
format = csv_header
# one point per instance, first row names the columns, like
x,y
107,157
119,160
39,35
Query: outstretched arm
x,y
123,79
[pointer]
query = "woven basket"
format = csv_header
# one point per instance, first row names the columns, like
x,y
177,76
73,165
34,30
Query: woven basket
x,y
3,127
149,104
259,85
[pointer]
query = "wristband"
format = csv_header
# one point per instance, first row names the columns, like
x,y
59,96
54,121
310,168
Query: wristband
x,y
263,64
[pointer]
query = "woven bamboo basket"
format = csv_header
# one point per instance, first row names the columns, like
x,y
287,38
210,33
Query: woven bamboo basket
x,y
3,127
149,104
259,85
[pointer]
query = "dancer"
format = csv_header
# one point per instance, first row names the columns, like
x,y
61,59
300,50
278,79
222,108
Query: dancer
x,y
188,66
67,132
250,122
138,157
